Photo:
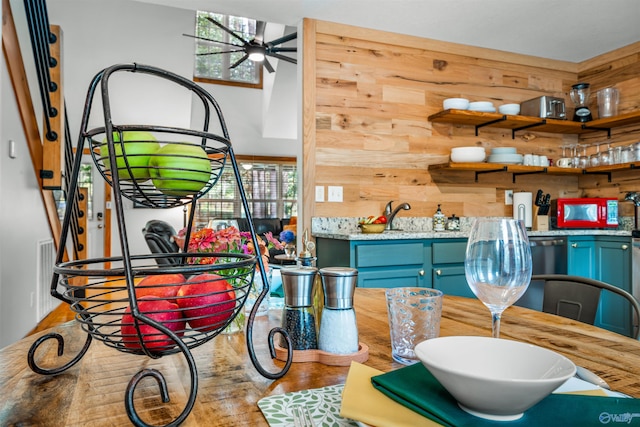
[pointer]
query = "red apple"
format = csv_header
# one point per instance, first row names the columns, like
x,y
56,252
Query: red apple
x,y
163,286
180,169
208,301
160,310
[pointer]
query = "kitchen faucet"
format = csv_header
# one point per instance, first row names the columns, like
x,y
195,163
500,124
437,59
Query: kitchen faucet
x,y
635,198
390,215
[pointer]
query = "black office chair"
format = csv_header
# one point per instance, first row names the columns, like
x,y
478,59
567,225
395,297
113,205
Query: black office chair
x,y
159,237
577,297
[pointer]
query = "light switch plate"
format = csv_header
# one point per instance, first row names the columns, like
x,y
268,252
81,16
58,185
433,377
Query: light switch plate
x,y
334,193
319,193
508,197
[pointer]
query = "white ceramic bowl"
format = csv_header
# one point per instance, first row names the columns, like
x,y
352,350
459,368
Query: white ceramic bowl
x,y
512,109
468,154
483,106
494,378
455,103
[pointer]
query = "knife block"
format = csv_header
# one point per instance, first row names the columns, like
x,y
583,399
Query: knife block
x,y
540,222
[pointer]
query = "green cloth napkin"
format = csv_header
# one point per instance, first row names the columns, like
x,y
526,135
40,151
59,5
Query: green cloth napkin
x,y
415,388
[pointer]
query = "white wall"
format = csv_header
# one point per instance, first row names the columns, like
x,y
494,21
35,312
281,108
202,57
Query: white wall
x,y
98,34
22,224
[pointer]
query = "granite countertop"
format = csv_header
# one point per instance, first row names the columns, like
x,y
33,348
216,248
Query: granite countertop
x,y
342,228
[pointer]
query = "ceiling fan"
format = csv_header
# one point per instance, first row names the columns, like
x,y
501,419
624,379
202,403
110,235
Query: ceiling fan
x,y
255,49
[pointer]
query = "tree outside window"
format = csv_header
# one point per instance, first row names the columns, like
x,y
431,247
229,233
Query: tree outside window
x,y
215,68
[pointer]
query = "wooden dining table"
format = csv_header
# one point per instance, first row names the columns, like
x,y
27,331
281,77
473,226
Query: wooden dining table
x,y
92,391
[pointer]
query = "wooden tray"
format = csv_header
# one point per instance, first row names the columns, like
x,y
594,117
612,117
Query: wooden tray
x,y
324,357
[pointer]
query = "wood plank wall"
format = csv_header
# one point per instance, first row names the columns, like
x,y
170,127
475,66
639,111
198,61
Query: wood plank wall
x,y
619,69
367,96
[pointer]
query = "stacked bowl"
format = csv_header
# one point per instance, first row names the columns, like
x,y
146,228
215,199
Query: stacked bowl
x,y
505,155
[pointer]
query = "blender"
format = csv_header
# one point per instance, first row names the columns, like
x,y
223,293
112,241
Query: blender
x,y
580,96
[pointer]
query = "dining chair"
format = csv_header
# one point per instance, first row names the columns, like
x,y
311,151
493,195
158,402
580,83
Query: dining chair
x,y
577,297
159,237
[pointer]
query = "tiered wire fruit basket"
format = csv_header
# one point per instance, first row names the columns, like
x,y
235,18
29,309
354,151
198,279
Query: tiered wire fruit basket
x,y
189,304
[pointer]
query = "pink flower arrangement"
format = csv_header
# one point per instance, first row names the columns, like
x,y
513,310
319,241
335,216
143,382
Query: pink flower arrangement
x,y
229,240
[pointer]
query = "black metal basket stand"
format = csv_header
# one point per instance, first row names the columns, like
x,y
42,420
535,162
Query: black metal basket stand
x,y
100,296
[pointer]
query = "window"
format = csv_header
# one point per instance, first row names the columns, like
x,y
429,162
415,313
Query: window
x,y
85,179
215,68
271,188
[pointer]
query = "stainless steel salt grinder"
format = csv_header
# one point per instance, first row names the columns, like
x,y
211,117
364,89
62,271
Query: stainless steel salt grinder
x,y
298,314
338,327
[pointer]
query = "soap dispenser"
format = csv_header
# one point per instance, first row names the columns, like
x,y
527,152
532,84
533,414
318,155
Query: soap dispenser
x,y
439,220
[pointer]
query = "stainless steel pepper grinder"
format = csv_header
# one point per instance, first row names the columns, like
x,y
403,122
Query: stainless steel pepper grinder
x,y
298,314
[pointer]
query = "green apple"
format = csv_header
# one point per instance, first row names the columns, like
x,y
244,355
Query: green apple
x,y
180,169
138,146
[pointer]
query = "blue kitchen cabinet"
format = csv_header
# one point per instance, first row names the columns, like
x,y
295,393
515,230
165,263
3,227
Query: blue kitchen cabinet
x,y
380,263
605,258
581,256
613,265
447,267
430,263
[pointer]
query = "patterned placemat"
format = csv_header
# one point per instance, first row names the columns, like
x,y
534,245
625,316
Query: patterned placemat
x,y
323,404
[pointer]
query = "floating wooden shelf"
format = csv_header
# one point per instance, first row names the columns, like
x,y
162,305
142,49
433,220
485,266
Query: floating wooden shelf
x,y
516,170
517,123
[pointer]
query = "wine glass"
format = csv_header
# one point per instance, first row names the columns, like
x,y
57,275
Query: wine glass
x,y
498,264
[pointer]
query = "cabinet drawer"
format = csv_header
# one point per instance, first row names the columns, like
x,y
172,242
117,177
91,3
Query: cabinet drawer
x,y
397,277
388,254
449,252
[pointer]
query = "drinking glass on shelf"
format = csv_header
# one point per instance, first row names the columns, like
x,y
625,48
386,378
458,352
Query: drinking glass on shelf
x,y
605,156
626,155
617,155
611,151
594,159
584,158
497,264
575,156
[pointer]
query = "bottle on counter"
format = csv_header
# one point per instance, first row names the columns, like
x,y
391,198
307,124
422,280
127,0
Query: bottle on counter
x,y
439,220
298,314
453,223
338,328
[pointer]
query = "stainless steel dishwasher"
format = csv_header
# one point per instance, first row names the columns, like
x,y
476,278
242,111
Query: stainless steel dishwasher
x,y
548,256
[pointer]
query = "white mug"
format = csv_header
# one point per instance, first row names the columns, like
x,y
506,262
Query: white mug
x,y
536,160
528,159
544,161
564,162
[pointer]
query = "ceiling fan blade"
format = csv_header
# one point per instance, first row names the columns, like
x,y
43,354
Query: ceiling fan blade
x,y
282,57
282,49
219,25
260,27
283,39
221,51
210,40
267,65
240,61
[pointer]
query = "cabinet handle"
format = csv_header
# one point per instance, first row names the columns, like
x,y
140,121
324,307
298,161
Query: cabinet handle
x,y
574,245
438,272
625,247
421,272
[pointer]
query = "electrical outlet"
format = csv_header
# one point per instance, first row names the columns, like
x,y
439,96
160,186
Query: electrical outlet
x,y
334,193
508,197
319,193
